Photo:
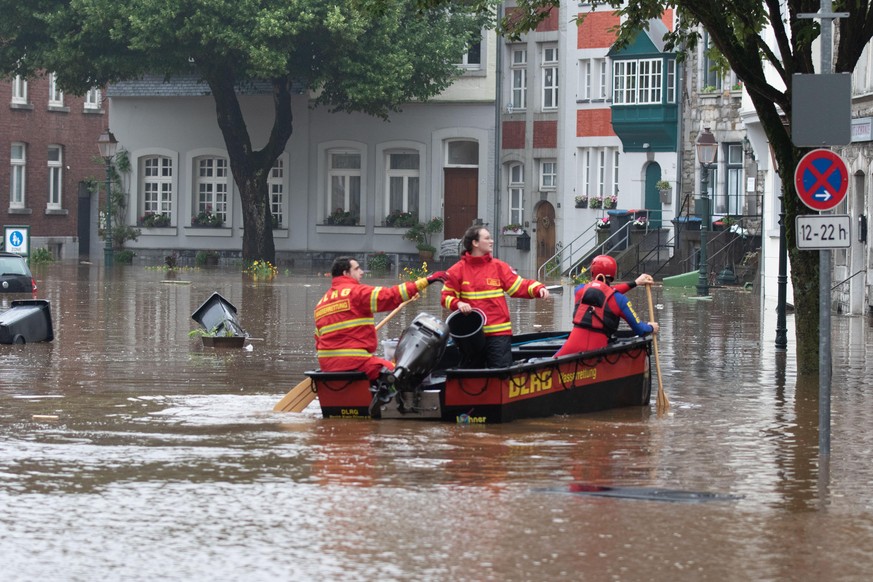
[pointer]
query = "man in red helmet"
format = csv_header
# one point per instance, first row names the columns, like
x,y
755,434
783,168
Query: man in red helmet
x,y
600,307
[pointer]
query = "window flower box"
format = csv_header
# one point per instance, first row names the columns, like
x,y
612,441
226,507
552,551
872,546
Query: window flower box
x,y
207,219
581,201
513,230
153,220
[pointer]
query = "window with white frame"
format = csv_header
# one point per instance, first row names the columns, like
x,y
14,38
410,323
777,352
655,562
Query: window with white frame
x,y
516,194
548,174
402,175
624,82
615,171
93,98
55,176
19,90
603,71
18,162
732,203
550,77
519,79
671,81
276,186
587,89
472,59
344,184
601,172
56,96
650,71
157,185
584,188
594,79
211,186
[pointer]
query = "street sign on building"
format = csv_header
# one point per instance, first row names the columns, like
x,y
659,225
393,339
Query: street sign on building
x,y
16,239
823,231
821,179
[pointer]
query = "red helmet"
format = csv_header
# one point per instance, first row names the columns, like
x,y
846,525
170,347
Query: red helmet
x,y
603,265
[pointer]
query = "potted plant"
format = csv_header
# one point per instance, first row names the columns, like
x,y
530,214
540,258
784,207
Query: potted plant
x,y
398,219
665,190
602,223
421,232
340,217
512,229
206,258
207,219
154,220
581,201
640,222
610,201
595,203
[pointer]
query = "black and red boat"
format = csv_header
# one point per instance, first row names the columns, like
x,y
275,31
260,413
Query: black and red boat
x,y
427,383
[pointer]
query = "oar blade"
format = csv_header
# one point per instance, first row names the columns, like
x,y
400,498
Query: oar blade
x,y
297,399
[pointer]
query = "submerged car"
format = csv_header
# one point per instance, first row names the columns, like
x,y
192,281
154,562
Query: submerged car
x,y
15,275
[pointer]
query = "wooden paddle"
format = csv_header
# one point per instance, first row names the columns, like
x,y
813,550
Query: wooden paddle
x,y
663,403
299,397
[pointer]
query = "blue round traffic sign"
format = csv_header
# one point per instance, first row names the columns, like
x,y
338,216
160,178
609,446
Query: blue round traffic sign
x,y
821,179
16,238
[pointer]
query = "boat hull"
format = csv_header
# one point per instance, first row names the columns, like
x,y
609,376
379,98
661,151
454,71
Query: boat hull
x,y
536,385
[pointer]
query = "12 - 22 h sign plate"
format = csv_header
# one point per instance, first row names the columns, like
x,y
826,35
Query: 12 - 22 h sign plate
x,y
823,231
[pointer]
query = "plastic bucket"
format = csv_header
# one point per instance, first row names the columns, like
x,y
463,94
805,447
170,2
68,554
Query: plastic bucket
x,y
388,347
467,329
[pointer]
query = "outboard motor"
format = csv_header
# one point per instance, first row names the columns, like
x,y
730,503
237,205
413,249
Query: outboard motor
x,y
418,351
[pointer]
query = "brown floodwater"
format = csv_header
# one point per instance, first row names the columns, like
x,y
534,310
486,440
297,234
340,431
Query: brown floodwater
x,y
166,462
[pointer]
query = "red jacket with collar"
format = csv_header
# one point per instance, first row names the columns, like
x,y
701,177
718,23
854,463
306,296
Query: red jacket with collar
x,y
345,336
484,282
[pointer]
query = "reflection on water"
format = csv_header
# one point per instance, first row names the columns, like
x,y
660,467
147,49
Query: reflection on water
x,y
166,461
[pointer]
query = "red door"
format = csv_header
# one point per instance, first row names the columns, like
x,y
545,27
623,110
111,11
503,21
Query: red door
x,y
461,200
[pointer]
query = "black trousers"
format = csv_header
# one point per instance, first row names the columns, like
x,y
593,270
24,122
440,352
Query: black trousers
x,y
496,354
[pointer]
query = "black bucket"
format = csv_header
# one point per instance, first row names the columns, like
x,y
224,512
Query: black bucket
x,y
467,330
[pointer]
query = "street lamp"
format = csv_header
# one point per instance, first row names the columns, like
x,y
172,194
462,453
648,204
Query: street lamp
x,y
108,145
707,153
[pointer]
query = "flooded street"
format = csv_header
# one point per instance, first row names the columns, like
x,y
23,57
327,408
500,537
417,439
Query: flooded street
x,y
166,461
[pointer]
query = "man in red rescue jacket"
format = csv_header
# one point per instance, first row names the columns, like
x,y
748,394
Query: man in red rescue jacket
x,y
345,337
600,307
479,281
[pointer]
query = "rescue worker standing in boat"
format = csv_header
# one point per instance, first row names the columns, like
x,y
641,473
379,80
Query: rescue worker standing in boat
x,y
479,281
345,335
600,307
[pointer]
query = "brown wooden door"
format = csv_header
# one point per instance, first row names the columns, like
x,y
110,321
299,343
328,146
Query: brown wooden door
x,y
545,232
461,200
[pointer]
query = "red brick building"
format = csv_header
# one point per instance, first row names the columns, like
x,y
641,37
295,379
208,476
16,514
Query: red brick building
x,y
48,142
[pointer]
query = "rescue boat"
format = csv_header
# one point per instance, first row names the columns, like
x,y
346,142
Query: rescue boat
x,y
428,384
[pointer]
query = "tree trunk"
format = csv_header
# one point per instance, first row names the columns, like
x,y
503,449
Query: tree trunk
x,y
251,168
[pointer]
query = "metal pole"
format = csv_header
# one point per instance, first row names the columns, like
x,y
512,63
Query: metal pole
x,y
108,251
824,275
703,275
781,283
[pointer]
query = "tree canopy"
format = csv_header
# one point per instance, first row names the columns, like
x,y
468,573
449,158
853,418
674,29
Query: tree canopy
x,y
356,56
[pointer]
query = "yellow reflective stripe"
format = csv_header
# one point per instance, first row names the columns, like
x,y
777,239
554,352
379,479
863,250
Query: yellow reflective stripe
x,y
346,325
349,353
490,294
498,327
448,301
420,283
534,290
374,299
514,287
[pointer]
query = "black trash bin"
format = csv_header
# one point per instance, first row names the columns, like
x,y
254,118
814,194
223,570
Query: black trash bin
x,y
26,321
219,314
